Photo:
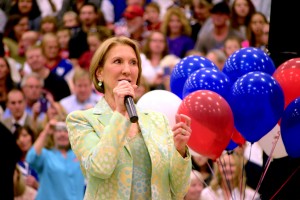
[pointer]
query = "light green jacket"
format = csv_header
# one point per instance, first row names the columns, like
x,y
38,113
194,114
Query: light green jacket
x,y
97,137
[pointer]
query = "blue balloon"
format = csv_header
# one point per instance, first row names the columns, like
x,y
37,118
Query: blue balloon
x,y
247,60
207,79
184,68
231,146
257,103
290,128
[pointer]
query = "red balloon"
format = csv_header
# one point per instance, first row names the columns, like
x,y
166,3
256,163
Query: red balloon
x,y
212,122
238,138
288,77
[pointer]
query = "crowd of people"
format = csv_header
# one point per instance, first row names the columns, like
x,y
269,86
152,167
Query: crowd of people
x,y
45,61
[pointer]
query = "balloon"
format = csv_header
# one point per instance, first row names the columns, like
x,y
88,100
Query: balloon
x,y
246,60
290,128
161,101
212,122
288,76
231,146
266,143
236,140
184,68
207,79
257,103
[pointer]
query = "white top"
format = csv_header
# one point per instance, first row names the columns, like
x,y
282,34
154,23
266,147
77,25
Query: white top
x,y
208,194
149,71
70,103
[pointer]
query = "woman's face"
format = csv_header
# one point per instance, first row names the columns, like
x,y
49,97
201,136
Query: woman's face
x,y
241,8
227,167
157,43
120,63
256,24
21,27
175,25
4,70
201,12
25,6
195,189
60,137
48,27
24,141
93,42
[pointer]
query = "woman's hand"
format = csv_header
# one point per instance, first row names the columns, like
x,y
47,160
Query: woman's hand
x,y
124,88
182,132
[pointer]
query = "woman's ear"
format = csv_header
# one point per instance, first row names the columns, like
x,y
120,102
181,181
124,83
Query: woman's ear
x,y
99,74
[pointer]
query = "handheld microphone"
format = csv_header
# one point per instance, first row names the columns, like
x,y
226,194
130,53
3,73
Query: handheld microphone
x,y
129,103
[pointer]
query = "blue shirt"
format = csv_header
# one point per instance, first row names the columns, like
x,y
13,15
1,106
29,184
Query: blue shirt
x,y
59,177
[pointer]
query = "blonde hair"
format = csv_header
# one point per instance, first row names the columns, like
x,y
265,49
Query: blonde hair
x,y
80,73
99,57
238,173
46,38
186,28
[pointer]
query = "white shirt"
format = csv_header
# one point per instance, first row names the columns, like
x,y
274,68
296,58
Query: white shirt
x,y
209,194
70,103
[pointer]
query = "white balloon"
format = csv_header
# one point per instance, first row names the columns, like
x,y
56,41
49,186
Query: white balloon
x,y
267,141
161,101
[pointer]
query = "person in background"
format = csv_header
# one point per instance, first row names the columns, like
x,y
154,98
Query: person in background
x,y
201,12
6,82
21,190
54,84
25,137
265,37
16,104
63,35
229,180
58,168
71,21
57,65
49,24
8,162
231,45
94,39
255,31
197,185
132,24
218,57
29,9
203,165
83,96
120,159
88,17
155,49
152,16
213,36
177,29
241,12
14,29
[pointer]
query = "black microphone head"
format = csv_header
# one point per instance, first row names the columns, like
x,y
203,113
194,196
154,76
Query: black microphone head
x,y
134,119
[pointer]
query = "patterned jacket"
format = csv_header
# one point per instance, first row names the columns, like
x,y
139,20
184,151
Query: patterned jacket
x,y
97,137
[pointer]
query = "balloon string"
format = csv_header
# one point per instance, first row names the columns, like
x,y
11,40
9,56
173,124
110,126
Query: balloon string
x,y
222,163
267,164
243,173
285,183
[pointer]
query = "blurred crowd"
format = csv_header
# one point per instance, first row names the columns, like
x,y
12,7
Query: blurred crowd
x,y
46,49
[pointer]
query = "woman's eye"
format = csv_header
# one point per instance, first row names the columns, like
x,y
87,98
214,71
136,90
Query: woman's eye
x,y
117,61
133,62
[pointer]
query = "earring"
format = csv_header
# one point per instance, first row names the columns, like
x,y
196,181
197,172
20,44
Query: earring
x,y
100,83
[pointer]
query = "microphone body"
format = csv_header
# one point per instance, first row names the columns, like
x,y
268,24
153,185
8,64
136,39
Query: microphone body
x,y
129,103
